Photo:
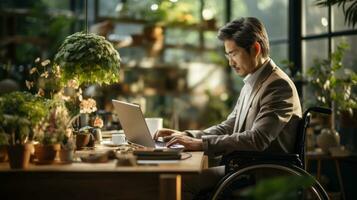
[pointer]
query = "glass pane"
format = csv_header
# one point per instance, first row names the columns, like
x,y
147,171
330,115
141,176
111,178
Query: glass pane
x,y
211,40
350,59
279,52
109,8
214,9
274,14
312,50
315,18
177,36
55,4
179,55
338,19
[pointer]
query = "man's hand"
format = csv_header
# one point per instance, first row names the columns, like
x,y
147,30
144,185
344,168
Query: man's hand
x,y
167,134
190,143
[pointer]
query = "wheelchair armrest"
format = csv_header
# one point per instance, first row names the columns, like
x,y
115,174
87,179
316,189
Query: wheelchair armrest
x,y
238,159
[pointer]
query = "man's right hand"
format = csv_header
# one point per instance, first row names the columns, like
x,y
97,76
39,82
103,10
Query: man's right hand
x,y
167,134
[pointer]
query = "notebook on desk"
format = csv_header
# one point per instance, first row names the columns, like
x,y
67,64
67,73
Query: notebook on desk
x,y
134,125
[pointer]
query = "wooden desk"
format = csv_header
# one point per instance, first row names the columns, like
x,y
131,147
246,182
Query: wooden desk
x,y
98,181
319,157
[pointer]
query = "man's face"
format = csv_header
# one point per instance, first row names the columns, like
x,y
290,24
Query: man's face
x,y
239,59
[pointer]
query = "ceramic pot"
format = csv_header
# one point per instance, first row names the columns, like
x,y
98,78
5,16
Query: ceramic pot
x,y
66,155
327,139
82,140
19,155
46,152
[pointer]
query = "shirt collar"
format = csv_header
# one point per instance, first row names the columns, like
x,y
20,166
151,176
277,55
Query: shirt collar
x,y
250,79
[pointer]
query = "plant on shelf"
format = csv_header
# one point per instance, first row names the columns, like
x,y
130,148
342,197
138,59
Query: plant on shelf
x,y
333,86
88,58
158,12
20,113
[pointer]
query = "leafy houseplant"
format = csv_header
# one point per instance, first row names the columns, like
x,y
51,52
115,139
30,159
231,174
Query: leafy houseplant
x,y
20,113
332,83
88,58
52,131
333,86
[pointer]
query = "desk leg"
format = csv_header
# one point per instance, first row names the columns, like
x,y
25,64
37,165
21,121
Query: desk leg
x,y
337,164
170,187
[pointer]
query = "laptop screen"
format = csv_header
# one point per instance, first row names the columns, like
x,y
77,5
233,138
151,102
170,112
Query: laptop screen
x,y
133,123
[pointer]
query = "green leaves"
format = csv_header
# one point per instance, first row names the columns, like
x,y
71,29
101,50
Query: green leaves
x,y
349,9
88,58
334,83
20,112
279,188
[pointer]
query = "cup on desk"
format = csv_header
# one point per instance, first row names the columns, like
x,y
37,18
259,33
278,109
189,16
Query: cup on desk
x,y
118,139
154,124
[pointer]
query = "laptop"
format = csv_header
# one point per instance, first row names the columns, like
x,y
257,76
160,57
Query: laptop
x,y
134,125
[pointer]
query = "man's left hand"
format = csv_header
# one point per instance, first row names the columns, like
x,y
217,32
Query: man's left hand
x,y
190,143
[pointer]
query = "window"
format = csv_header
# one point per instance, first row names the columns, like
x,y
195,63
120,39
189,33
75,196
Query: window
x,y
323,29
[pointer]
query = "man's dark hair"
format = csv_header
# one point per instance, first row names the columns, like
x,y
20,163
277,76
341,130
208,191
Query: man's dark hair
x,y
245,31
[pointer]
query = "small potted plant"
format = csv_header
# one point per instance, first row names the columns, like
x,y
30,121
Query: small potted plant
x,y
20,113
52,131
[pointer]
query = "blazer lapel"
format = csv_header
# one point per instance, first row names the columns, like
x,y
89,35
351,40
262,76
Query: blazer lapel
x,y
238,110
269,68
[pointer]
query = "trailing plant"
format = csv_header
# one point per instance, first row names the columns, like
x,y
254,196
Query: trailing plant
x,y
88,58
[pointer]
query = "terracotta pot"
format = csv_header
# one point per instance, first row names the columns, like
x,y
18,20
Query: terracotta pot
x,y
327,139
3,153
66,155
82,140
46,152
19,155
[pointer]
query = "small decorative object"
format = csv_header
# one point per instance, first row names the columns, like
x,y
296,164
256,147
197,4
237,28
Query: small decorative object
x,y
20,113
97,124
328,139
84,138
67,150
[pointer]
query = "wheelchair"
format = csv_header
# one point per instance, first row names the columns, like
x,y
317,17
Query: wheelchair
x,y
246,169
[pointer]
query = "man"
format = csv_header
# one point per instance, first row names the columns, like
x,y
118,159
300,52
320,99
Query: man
x,y
268,109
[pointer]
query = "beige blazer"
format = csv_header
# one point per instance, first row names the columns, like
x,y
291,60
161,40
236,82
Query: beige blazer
x,y
269,124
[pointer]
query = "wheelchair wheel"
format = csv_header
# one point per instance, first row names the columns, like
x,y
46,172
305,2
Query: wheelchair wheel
x,y
233,185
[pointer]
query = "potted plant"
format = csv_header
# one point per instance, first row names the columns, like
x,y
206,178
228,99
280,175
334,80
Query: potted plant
x,y
20,113
52,132
333,87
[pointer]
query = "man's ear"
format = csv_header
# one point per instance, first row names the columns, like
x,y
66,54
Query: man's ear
x,y
256,49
